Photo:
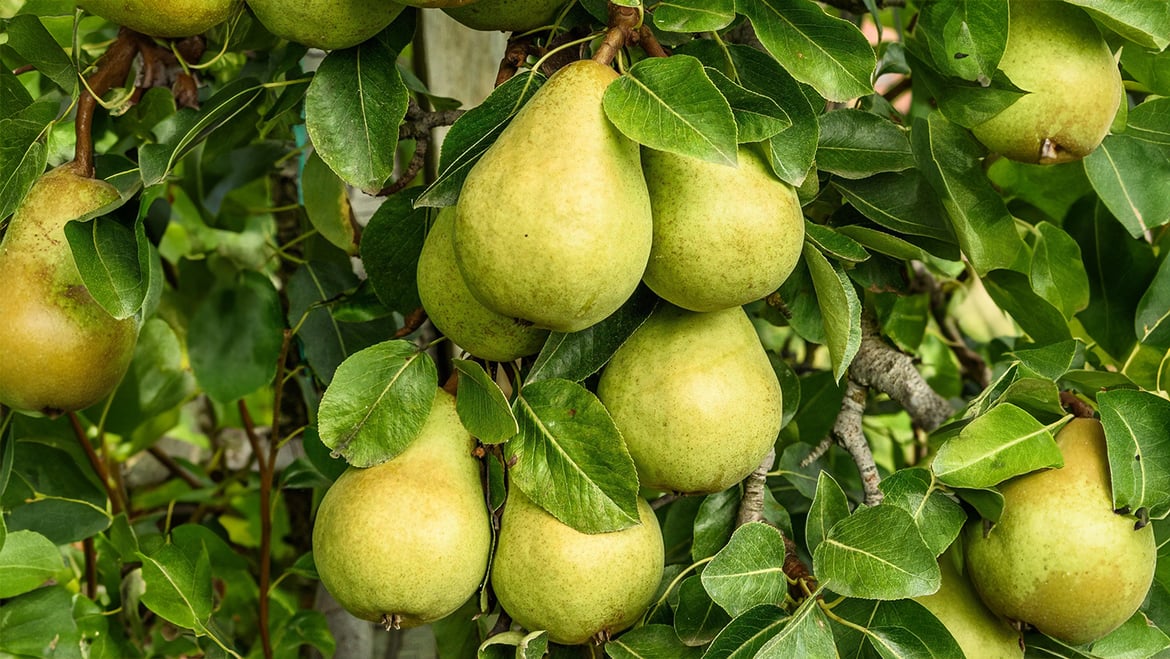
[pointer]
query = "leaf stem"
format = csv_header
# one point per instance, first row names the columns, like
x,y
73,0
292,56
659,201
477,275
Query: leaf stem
x,y
674,583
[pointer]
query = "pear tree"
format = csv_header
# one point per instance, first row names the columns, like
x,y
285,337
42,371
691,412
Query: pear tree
x,y
481,329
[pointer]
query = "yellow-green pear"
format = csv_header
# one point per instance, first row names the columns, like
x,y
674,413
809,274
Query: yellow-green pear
x,y
507,15
579,587
325,24
455,311
164,18
60,351
1055,51
406,542
695,397
979,632
1060,559
723,236
553,222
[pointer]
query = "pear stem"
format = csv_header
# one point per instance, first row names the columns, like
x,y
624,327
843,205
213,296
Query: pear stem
x,y
624,23
113,68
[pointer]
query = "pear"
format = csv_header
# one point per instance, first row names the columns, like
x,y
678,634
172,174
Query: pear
x,y
163,18
60,351
406,542
978,631
507,15
1054,51
1060,559
695,397
553,222
723,236
325,24
576,586
455,311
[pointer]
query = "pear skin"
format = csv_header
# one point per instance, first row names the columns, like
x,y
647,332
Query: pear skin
x,y
406,542
325,24
455,311
1059,558
713,249
60,351
507,15
553,222
978,631
576,586
1055,51
164,18
695,398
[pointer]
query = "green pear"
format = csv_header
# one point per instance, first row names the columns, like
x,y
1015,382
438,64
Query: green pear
x,y
163,18
60,351
406,542
1060,559
553,222
978,631
576,586
325,24
455,311
723,236
507,15
1054,51
695,397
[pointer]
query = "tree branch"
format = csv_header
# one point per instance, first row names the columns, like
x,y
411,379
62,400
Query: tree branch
x,y
113,67
751,504
848,434
623,29
888,370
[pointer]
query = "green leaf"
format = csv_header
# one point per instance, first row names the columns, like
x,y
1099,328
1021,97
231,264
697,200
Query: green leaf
x,y
1139,450
1005,442
743,637
826,52
390,246
1057,273
877,553
1144,23
52,493
1128,175
178,585
900,201
40,625
473,133
28,37
481,404
938,517
1054,360
156,381
714,523
1149,121
235,337
578,355
829,506
377,402
569,458
805,634
855,144
27,560
832,242
966,38
23,154
749,570
1051,188
1012,291
670,104
1136,638
326,202
650,642
697,618
352,110
305,627
106,253
757,117
840,309
694,15
948,159
1152,321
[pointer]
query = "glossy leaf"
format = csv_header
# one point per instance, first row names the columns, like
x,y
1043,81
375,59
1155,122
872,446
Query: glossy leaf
x,y
840,309
52,491
23,153
1057,273
1147,24
694,15
805,634
390,246
829,506
650,642
1005,442
965,38
1152,320
1127,173
938,517
744,636
1139,450
1136,637
40,624
27,36
749,570
876,553
1054,360
326,202
714,523
178,585
1012,291
757,117
697,618
855,144
156,381
27,560
481,404
834,243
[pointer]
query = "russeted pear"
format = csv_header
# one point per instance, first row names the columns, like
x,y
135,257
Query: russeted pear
x,y
60,351
723,236
553,223
1059,558
507,15
695,397
576,586
406,542
325,24
455,311
163,18
1054,51
978,631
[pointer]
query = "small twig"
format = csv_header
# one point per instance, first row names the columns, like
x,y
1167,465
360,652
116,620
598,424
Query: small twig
x,y
174,467
1078,407
751,504
848,434
99,467
650,44
112,70
797,572
411,322
888,370
623,29
265,525
665,499
514,57
970,361
23,69
817,452
91,582
417,126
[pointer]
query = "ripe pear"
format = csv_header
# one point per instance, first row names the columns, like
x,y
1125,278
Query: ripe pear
x,y
978,631
553,223
695,398
406,542
163,18
455,311
1054,51
507,15
325,24
60,351
723,236
1060,559
577,586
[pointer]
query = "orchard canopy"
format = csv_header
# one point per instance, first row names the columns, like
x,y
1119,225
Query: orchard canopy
x,y
479,329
